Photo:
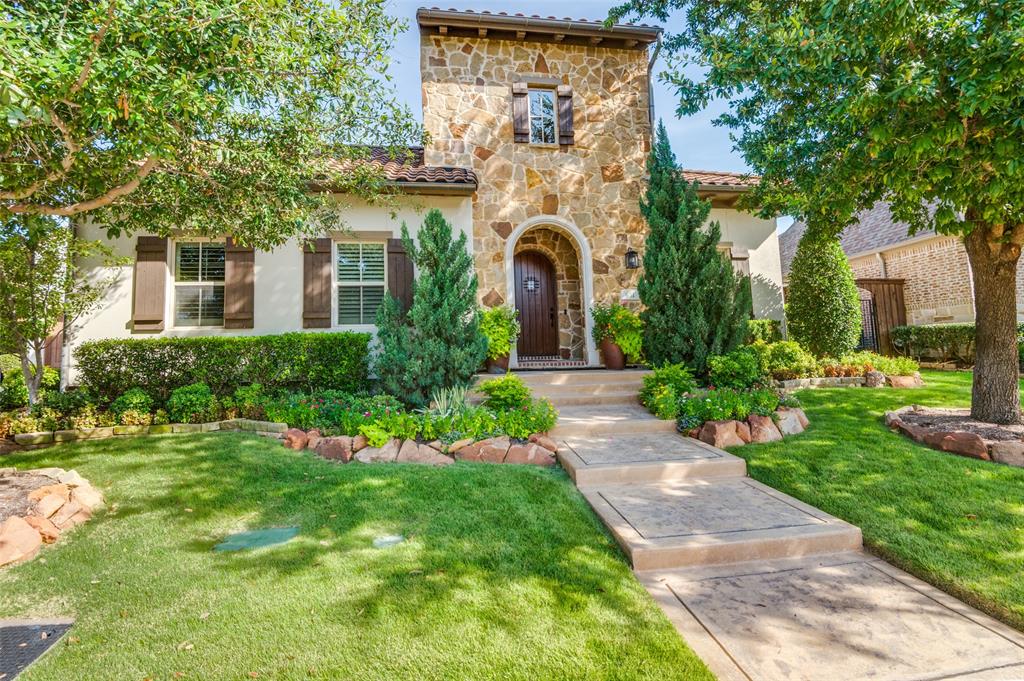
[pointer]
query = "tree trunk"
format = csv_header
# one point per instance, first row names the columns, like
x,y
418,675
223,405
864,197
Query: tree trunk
x,y
995,393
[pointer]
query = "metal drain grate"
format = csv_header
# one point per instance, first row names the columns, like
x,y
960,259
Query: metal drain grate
x,y
23,641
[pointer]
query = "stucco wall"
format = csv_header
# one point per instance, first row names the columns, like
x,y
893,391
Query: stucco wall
x,y
278,273
761,240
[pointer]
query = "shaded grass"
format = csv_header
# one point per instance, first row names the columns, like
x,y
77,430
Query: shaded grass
x,y
955,522
506,573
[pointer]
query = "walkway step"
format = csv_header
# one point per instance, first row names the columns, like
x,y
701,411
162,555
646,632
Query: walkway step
x,y
569,400
590,389
616,459
590,421
842,616
582,377
673,524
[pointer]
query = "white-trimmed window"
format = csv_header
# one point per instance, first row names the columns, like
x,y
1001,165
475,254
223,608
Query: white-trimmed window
x,y
360,281
199,284
543,119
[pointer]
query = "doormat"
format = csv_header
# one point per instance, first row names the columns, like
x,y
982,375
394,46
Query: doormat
x,y
257,539
22,642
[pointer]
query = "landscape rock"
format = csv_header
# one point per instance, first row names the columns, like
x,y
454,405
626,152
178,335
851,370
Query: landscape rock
x,y
7,470
1009,452
874,379
459,444
88,496
545,442
763,429
959,442
914,381
436,445
467,452
49,505
18,541
413,452
531,453
45,527
791,421
337,448
69,515
313,438
385,454
914,432
53,473
72,478
720,434
59,489
295,438
494,449
359,442
743,430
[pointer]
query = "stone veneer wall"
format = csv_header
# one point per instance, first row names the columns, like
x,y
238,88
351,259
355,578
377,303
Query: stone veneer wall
x,y
594,184
560,250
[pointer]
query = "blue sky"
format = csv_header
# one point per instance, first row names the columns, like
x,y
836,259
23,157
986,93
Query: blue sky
x,y
696,142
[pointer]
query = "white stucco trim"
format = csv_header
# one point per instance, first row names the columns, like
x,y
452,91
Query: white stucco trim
x,y
586,268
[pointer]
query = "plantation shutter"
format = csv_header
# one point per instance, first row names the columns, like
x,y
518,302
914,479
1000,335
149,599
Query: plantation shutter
x,y
150,284
316,284
400,273
239,289
565,133
520,114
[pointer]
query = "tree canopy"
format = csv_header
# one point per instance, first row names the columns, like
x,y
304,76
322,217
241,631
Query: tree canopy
x,y
838,105
212,116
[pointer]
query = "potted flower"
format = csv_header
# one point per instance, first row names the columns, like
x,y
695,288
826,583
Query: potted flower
x,y
618,332
500,325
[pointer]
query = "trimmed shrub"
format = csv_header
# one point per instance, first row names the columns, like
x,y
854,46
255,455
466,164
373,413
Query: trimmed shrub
x,y
506,392
890,366
663,387
134,399
194,403
14,392
740,369
785,360
536,417
764,330
295,361
823,308
942,342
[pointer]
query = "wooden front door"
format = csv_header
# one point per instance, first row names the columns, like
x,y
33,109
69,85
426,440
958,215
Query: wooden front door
x,y
537,302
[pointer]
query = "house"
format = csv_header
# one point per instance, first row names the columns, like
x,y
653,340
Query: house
x,y
932,269
539,130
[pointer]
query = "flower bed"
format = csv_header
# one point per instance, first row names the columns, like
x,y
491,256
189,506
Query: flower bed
x,y
954,431
38,506
49,437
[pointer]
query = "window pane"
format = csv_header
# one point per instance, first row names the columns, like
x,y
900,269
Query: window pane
x,y
372,297
373,262
213,262
348,262
542,116
186,262
348,305
186,305
212,310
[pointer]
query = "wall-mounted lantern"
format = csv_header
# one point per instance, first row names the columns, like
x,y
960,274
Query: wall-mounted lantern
x,y
632,259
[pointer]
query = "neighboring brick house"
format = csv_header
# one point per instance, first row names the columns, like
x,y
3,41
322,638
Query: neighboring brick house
x,y
936,274
539,130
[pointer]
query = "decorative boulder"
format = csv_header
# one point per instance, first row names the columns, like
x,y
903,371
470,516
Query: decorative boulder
x,y
46,529
467,452
88,496
49,505
295,438
359,442
874,379
905,381
335,448
313,438
18,541
1009,452
743,430
958,442
721,434
460,444
531,453
386,454
763,429
545,442
59,489
413,452
791,421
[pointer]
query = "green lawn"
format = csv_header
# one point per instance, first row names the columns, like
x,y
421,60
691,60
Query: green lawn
x,y
955,522
506,574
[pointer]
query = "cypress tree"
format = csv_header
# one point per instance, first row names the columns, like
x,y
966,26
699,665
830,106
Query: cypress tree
x,y
696,306
823,306
437,343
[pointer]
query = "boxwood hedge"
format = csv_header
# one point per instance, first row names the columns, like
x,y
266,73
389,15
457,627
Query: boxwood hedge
x,y
944,342
297,361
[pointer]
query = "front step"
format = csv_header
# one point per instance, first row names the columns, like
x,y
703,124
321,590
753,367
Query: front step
x,y
594,421
638,458
674,524
582,377
611,398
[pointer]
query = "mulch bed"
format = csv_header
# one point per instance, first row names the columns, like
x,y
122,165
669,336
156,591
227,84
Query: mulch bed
x,y
960,420
14,491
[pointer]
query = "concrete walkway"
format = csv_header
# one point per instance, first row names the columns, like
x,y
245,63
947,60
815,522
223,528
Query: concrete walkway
x,y
762,586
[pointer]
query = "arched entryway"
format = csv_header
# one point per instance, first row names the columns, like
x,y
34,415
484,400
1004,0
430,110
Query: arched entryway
x,y
548,274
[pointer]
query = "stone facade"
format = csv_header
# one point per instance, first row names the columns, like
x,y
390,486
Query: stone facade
x,y
559,249
593,185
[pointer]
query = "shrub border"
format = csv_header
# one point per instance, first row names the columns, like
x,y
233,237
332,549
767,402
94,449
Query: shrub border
x,y
46,438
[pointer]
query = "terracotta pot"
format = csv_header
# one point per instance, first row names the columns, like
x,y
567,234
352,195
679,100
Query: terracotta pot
x,y
497,366
612,355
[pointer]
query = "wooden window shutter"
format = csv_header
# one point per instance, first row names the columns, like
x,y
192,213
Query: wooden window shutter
x,y
400,274
239,290
520,114
150,284
740,258
316,284
565,133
